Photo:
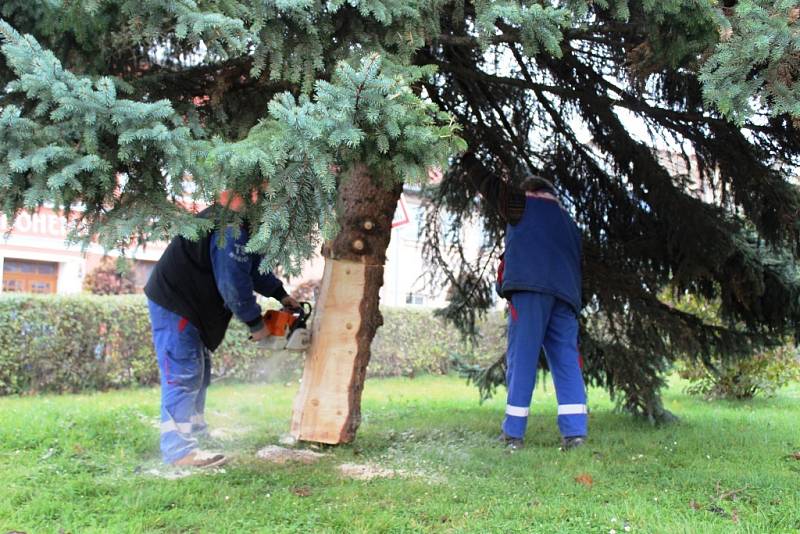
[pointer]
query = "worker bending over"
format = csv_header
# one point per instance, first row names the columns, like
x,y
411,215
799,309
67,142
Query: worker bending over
x,y
194,290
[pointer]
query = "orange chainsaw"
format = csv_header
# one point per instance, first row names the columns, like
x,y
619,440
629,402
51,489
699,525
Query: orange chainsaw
x,y
287,328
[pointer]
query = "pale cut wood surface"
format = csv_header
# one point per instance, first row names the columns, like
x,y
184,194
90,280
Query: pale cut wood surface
x,y
322,405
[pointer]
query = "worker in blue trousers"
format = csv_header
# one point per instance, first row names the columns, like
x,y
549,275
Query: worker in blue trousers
x,y
194,291
541,278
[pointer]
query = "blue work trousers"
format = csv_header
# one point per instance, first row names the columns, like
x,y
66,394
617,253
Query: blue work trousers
x,y
536,320
184,363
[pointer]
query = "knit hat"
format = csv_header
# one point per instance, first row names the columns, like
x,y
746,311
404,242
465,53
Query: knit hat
x,y
537,183
532,182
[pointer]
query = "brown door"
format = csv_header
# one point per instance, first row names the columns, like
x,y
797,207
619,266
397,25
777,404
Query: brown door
x,y
29,276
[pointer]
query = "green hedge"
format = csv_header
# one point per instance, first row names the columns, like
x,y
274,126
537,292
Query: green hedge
x,y
85,342
65,343
413,341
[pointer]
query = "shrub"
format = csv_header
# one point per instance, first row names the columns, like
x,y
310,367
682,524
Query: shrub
x,y
761,373
54,343
745,378
111,277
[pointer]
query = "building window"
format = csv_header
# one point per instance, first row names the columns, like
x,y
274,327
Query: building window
x,y
29,276
415,299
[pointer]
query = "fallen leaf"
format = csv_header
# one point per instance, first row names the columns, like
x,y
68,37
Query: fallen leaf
x,y
694,505
734,516
585,479
302,491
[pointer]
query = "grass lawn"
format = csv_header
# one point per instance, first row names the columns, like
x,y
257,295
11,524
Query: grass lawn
x,y
89,463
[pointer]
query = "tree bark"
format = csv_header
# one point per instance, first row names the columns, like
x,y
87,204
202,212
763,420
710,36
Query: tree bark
x,y
327,408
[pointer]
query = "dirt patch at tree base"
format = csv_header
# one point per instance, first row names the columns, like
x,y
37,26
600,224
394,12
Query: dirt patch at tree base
x,y
169,472
282,455
368,471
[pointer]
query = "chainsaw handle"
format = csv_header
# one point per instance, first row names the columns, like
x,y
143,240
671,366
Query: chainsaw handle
x,y
304,310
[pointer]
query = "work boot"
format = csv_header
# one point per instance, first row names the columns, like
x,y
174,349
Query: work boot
x,y
511,443
572,442
201,459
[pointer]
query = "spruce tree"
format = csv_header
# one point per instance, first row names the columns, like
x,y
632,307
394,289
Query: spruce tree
x,y
670,131
113,106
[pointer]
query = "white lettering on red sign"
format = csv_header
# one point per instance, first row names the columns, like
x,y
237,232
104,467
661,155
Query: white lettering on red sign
x,y
44,223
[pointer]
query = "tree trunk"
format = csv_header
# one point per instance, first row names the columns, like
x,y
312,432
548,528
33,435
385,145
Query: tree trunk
x,y
328,406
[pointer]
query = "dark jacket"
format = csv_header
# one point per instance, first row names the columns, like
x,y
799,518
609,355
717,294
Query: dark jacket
x,y
208,283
